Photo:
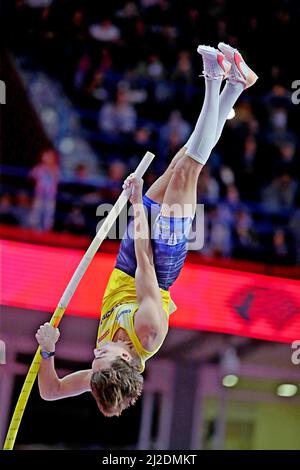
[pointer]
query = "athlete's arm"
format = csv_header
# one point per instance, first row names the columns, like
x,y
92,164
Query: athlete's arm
x,y
150,322
145,276
50,386
150,319
142,243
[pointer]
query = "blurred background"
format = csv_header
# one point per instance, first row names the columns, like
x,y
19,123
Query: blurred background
x,y
91,86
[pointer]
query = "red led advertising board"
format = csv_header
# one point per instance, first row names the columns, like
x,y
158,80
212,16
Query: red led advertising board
x,y
208,298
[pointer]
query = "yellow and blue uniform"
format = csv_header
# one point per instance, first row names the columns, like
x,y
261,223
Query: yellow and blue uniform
x,y
118,308
169,243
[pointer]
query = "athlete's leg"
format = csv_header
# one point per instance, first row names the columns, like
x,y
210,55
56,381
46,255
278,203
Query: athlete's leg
x,y
157,190
240,78
172,226
202,140
181,192
228,97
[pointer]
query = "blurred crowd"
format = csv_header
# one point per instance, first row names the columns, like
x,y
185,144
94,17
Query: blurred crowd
x,y
132,72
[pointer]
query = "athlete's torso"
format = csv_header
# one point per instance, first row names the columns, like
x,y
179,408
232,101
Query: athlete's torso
x,y
119,306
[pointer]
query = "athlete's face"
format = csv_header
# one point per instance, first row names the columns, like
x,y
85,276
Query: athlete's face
x,y
105,355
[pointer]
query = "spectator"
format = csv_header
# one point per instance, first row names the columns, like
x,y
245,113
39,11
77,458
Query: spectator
x,y
278,123
288,158
81,174
116,171
228,208
6,210
22,208
130,10
141,141
95,87
183,71
46,176
75,222
250,174
106,31
294,227
280,193
116,175
245,241
175,125
243,115
168,149
278,120
218,240
208,188
150,48
152,69
105,60
233,197
82,69
281,250
287,152
118,117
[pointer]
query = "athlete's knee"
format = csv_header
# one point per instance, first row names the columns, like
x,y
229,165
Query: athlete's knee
x,y
180,176
184,170
178,156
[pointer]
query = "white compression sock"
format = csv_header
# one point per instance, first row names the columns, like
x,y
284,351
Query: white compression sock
x,y
228,97
202,140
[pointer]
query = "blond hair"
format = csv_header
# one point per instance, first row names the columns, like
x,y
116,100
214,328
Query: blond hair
x,y
117,387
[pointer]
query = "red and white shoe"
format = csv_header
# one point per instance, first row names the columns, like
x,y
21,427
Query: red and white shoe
x,y
214,62
240,72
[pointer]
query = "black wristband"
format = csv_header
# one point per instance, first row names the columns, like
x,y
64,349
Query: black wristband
x,y
46,354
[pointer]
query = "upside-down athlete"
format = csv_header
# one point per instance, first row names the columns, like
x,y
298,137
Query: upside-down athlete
x,y
137,303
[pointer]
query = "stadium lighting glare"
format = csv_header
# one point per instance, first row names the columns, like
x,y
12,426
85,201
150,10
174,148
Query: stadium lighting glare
x,y
231,114
230,380
287,390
